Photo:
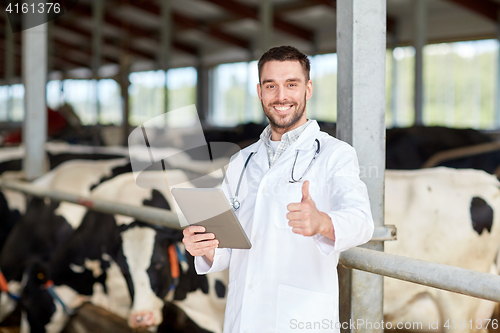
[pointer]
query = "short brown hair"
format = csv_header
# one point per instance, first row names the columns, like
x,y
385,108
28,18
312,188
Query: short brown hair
x,y
285,53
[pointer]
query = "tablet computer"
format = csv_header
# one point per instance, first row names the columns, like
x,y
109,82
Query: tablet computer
x,y
209,207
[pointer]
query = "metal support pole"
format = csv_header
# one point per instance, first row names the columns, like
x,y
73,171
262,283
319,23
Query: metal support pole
x,y
266,18
312,107
420,39
50,48
202,91
124,84
35,114
9,64
165,52
497,105
361,47
394,77
248,95
98,19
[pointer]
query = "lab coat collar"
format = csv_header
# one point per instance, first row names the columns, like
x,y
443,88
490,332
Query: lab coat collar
x,y
306,141
307,138
260,155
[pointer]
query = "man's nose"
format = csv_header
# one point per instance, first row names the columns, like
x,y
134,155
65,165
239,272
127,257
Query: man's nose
x,y
281,95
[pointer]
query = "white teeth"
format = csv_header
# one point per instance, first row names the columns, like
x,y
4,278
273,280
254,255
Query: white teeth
x,y
283,108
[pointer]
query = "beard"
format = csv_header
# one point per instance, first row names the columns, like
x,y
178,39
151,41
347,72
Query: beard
x,y
283,122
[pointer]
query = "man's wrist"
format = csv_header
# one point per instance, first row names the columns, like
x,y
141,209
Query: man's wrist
x,y
327,226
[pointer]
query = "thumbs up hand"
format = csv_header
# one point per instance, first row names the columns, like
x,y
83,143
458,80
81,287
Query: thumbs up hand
x,y
305,219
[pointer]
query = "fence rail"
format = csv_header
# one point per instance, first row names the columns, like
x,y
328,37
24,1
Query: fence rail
x,y
450,278
151,215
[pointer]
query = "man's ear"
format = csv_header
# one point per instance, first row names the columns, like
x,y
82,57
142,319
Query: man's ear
x,y
309,89
259,91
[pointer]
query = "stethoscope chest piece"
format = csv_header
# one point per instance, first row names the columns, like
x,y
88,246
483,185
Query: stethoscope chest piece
x,y
235,204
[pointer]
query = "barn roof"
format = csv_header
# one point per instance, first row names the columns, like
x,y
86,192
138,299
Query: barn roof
x,y
211,32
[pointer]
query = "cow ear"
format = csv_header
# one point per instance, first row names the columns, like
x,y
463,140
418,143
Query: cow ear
x,y
174,234
169,235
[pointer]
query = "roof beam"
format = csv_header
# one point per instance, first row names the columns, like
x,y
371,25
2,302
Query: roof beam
x,y
65,24
133,30
62,44
247,11
61,54
484,8
190,23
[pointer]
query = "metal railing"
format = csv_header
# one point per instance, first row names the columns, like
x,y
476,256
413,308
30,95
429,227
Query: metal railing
x,y
445,277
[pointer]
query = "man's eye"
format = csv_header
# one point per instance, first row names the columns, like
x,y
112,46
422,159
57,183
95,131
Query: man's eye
x,y
270,86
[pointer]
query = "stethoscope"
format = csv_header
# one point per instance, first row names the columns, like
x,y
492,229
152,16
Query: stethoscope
x,y
234,200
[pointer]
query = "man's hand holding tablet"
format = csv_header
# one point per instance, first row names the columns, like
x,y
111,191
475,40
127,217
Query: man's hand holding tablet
x,y
200,243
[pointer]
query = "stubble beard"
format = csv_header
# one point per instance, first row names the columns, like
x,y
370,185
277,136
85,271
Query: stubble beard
x,y
283,123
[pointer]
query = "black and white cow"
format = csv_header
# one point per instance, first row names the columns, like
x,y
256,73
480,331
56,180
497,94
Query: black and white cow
x,y
46,224
409,148
446,216
148,258
13,204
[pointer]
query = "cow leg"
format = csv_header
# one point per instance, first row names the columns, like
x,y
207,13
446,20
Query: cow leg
x,y
417,315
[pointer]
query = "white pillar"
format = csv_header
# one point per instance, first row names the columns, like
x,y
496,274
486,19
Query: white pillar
x,y
420,39
35,112
361,47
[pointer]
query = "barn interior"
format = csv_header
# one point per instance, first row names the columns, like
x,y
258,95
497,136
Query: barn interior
x,y
98,70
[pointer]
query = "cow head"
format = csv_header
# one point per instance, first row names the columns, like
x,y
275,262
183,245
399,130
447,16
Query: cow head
x,y
145,250
36,303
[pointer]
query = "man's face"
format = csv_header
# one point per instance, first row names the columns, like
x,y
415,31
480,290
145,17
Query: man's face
x,y
283,92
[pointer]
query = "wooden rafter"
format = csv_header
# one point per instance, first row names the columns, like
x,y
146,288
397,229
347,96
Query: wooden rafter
x,y
485,8
187,22
132,29
64,45
246,11
74,28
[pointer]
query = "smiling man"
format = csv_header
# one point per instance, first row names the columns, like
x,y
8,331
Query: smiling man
x,y
303,204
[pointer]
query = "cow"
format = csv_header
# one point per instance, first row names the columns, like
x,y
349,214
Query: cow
x,y
446,216
148,257
13,204
409,148
46,224
147,271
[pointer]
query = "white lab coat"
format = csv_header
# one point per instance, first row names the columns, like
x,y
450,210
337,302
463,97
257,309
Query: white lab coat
x,y
287,281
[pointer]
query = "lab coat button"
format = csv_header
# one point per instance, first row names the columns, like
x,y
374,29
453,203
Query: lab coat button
x,y
250,286
257,237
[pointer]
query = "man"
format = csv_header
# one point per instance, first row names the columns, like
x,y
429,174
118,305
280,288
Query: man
x,y
303,204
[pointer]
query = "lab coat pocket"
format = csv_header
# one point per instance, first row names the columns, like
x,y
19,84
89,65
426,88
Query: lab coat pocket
x,y
285,193
299,308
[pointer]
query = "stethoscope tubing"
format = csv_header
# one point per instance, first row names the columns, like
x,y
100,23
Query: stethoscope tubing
x,y
234,201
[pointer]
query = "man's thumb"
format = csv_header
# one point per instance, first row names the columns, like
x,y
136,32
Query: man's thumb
x,y
305,190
